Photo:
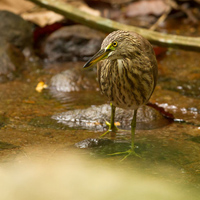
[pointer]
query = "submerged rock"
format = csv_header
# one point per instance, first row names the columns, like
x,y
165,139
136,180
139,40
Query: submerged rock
x,y
74,43
93,142
76,86
46,122
74,80
94,117
3,120
5,146
190,88
180,75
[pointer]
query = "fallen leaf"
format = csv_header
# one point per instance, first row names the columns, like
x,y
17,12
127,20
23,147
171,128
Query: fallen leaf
x,y
28,101
159,50
42,18
117,124
40,86
16,7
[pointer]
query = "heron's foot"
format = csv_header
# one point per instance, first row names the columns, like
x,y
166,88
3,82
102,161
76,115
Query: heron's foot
x,y
111,128
130,152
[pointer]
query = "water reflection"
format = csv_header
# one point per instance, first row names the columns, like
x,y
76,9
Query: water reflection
x,y
78,99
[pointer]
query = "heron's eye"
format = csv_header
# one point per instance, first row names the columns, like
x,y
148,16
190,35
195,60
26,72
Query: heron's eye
x,y
115,44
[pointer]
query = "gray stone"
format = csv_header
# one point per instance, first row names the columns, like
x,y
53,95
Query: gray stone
x,y
72,43
15,29
15,35
94,117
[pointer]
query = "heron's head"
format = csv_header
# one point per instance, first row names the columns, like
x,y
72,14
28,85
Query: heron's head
x,y
116,45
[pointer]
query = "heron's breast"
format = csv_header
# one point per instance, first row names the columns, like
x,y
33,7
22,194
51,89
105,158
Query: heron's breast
x,y
124,84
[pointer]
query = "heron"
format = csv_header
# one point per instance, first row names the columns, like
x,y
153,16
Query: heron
x,y
127,74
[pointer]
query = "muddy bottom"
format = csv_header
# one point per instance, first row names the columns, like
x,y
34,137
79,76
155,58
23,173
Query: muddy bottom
x,y
170,152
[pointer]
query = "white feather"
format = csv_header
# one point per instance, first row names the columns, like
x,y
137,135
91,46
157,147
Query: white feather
x,y
120,66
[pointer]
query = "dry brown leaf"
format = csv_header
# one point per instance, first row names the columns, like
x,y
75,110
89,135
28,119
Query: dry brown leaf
x,y
31,12
28,101
154,7
16,7
42,18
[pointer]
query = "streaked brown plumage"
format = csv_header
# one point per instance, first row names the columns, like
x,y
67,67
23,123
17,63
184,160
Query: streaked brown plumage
x,y
127,72
128,77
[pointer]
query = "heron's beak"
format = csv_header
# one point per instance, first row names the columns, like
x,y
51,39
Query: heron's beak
x,y
100,55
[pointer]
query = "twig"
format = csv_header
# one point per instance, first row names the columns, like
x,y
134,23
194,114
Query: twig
x,y
107,25
184,9
161,19
190,15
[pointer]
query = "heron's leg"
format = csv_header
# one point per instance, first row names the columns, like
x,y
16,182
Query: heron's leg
x,y
131,151
111,125
133,127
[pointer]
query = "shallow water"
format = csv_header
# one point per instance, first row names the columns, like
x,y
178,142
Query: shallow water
x,y
170,152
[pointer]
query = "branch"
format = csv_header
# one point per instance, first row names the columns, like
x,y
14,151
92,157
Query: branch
x,y
107,25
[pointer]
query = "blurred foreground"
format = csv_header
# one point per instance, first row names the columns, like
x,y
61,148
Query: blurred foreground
x,y
71,177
